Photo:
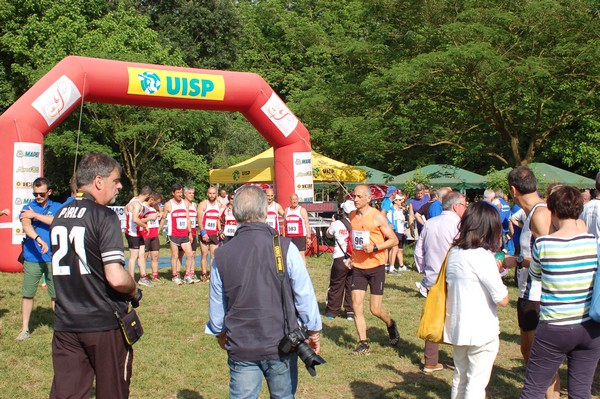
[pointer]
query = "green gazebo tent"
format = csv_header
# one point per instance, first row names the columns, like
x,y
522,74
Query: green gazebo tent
x,y
548,174
375,176
441,175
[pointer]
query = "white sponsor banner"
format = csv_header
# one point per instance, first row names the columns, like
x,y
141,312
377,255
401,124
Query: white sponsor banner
x,y
59,97
280,115
303,176
120,211
27,166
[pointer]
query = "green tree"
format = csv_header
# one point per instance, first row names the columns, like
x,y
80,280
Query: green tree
x,y
502,79
205,32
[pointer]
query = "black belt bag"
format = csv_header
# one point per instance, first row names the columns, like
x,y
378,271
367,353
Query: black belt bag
x,y
131,326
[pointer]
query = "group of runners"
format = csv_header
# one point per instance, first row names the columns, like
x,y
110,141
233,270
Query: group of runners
x,y
210,223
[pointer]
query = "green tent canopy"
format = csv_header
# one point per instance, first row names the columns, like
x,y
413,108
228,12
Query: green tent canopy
x,y
375,176
441,175
548,174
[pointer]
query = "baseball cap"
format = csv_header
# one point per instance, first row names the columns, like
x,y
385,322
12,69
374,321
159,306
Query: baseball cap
x,y
390,190
348,206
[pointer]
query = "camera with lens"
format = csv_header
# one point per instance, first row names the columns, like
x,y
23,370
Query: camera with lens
x,y
294,341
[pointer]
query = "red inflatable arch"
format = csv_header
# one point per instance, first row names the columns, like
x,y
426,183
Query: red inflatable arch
x,y
76,79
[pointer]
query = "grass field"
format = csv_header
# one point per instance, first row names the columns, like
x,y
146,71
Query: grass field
x,y
175,359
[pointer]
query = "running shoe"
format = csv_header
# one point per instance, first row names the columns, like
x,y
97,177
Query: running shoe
x,y
195,278
394,334
145,281
23,335
362,348
205,277
422,290
177,280
188,279
402,268
157,281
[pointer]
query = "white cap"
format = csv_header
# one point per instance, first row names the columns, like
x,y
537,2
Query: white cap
x,y
399,197
348,206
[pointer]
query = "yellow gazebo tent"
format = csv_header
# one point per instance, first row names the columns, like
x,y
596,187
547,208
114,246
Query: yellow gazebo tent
x,y
259,169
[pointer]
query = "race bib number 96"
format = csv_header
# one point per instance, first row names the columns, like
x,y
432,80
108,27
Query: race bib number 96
x,y
359,238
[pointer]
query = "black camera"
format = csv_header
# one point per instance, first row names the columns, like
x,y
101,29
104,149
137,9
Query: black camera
x,y
294,341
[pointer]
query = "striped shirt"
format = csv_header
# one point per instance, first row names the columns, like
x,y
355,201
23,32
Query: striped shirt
x,y
566,268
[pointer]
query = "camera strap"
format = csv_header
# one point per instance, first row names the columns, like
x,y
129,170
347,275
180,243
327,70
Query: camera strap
x,y
281,274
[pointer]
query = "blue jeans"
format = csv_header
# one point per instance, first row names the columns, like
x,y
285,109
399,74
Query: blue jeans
x,y
281,376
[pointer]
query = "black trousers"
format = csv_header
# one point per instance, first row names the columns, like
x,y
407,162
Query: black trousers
x,y
339,288
78,357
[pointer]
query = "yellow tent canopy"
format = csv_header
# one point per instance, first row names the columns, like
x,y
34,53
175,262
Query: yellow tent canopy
x,y
259,169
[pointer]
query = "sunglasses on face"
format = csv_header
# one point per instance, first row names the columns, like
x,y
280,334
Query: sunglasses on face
x,y
40,194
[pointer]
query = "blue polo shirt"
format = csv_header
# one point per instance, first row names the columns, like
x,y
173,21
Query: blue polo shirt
x,y
32,252
504,213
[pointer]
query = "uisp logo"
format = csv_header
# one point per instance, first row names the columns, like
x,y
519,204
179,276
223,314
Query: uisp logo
x,y
150,82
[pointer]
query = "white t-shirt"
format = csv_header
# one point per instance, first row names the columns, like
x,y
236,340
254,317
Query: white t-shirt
x,y
591,217
474,288
340,234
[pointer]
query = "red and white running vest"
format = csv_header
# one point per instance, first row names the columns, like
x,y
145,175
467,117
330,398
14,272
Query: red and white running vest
x,y
177,219
210,218
273,216
152,224
193,210
294,224
229,222
131,228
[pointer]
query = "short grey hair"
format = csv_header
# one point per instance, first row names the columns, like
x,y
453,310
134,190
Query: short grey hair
x,y
419,187
95,164
451,199
250,205
188,188
489,194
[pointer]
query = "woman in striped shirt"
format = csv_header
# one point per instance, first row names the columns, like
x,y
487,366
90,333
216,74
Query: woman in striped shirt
x,y
566,262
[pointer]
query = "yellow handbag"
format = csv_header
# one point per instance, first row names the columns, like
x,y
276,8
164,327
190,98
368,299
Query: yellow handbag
x,y
431,326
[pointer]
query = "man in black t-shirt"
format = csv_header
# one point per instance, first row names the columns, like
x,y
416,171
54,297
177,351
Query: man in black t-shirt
x,y
91,284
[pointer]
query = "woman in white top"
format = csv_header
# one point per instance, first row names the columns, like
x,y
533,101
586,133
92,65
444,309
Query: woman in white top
x,y
475,288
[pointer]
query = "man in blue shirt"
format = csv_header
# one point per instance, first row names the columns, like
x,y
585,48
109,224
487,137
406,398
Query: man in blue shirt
x,y
505,213
246,302
435,209
36,218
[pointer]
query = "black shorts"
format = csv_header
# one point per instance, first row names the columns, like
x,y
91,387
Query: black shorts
x,y
363,278
152,244
528,314
300,242
401,239
212,240
134,242
178,240
194,244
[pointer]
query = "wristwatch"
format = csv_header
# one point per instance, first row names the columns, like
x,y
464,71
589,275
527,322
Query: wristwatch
x,y
520,261
375,249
